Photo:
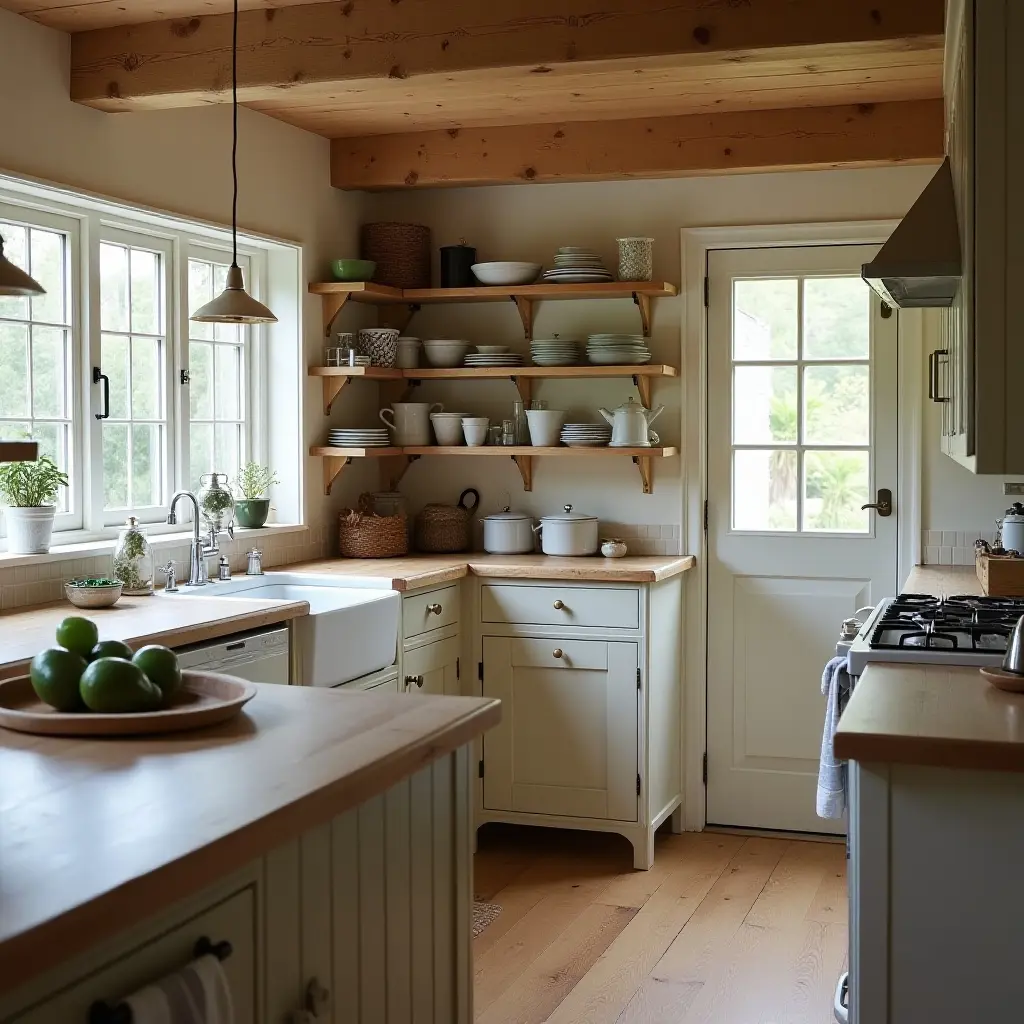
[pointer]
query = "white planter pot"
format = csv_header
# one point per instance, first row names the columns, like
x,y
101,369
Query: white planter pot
x,y
571,533
29,529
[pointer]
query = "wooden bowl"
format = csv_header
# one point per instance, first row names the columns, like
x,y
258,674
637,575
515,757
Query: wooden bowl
x,y
205,698
1009,682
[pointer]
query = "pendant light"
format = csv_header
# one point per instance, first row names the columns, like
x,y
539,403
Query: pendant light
x,y
14,280
234,305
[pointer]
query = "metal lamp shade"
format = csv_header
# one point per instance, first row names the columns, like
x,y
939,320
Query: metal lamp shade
x,y
14,280
234,305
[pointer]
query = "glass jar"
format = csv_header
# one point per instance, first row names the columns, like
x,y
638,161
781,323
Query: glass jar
x,y
133,560
216,503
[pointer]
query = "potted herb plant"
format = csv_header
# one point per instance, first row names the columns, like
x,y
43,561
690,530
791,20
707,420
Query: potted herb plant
x,y
254,481
29,490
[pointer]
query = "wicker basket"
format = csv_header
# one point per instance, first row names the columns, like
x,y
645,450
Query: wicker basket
x,y
401,252
446,529
363,534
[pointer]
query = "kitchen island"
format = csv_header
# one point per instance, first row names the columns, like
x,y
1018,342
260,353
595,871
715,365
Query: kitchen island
x,y
325,836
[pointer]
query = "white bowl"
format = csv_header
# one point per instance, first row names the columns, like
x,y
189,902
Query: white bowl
x,y
476,434
447,428
508,273
545,427
445,353
492,350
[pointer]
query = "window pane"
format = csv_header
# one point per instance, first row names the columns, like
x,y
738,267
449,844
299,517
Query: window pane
x,y
200,291
113,287
49,375
13,370
200,388
16,250
145,311
146,465
837,314
764,490
54,441
837,405
764,405
835,487
200,452
228,379
226,455
114,360
146,378
115,465
48,270
765,319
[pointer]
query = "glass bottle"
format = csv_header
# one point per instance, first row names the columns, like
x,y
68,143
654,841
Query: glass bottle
x,y
216,503
133,560
522,425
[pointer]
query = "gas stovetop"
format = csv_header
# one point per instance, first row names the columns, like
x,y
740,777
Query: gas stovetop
x,y
958,630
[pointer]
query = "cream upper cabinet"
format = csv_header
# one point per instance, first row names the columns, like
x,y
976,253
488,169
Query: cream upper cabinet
x,y
979,369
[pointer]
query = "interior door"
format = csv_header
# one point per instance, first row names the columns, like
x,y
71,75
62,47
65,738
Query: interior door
x,y
802,431
567,740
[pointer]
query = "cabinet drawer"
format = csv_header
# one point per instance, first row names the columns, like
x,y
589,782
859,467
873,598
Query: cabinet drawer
x,y
423,612
234,920
562,606
590,655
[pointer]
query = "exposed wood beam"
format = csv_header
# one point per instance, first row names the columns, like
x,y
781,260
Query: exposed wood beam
x,y
186,62
864,135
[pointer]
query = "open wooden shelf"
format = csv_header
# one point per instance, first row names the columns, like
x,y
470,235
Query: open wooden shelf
x,y
336,293
336,377
336,459
19,451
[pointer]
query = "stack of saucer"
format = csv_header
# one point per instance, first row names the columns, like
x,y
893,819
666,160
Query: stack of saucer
x,y
618,350
555,352
371,437
576,265
586,435
494,359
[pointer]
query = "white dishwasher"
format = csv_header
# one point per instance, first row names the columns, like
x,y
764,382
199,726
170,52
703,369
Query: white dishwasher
x,y
260,656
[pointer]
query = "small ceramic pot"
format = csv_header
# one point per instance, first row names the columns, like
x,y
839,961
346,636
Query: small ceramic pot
x,y
613,547
29,529
251,513
380,344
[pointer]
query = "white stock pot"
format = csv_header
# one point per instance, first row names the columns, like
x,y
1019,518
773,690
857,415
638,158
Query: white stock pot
x,y
568,533
508,533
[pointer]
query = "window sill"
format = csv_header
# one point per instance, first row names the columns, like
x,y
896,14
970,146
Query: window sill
x,y
78,544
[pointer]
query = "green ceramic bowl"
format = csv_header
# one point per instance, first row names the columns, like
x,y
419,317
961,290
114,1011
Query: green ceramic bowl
x,y
353,270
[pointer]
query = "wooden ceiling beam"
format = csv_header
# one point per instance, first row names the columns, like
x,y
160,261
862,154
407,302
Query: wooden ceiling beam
x,y
186,61
862,135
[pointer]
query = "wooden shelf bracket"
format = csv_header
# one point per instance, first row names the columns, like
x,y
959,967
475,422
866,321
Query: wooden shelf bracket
x,y
525,307
643,463
393,469
643,302
333,386
525,387
524,463
333,304
397,317
643,385
333,465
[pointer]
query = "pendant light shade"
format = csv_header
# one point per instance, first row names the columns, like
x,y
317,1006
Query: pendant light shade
x,y
14,280
234,305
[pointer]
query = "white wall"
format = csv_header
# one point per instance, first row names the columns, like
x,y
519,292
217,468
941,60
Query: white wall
x,y
528,222
179,161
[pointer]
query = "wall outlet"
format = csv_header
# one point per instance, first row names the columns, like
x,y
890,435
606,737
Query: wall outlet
x,y
1013,487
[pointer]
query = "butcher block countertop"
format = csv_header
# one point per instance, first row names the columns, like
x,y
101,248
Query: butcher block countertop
x,y
100,835
417,571
943,580
138,621
947,717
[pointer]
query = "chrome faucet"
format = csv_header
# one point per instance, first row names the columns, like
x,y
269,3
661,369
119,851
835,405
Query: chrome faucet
x,y
197,559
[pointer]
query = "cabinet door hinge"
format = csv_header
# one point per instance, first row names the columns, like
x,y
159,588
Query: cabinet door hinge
x,y
705,515
480,671
704,768
480,768
638,785
706,292
638,679
458,668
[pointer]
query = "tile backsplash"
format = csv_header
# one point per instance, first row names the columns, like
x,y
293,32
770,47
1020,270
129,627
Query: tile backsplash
x,y
645,540
952,547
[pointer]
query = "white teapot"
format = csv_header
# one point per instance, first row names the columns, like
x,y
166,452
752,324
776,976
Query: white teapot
x,y
631,424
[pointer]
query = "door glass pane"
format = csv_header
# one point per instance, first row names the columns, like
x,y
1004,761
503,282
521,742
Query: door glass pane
x,y
145,311
837,405
14,369
146,379
837,317
765,319
48,371
835,487
114,310
114,360
115,465
47,256
764,405
146,449
764,490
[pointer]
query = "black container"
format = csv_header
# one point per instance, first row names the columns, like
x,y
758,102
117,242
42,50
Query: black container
x,y
456,266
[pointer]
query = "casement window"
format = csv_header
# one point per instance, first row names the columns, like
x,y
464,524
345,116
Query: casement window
x,y
121,389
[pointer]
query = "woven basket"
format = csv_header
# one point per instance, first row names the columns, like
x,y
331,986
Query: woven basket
x,y
446,529
401,252
362,534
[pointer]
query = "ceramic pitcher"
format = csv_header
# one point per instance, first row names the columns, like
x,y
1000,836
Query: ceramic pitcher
x,y
410,422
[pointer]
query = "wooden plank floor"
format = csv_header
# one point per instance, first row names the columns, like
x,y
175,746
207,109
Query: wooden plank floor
x,y
724,929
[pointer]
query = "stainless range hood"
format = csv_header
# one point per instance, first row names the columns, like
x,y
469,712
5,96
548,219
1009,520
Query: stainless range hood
x,y
920,264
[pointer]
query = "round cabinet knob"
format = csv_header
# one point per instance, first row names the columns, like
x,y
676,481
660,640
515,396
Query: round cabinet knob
x,y
434,609
418,680
558,606
557,653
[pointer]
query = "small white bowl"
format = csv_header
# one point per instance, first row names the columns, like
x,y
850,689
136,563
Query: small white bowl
x,y
447,428
506,273
445,354
476,434
492,350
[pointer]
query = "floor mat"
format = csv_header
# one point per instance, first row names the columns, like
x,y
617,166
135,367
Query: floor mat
x,y
483,915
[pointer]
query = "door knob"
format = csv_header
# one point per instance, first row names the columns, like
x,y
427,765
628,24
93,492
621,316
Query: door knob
x,y
883,506
558,606
557,652
434,609
418,680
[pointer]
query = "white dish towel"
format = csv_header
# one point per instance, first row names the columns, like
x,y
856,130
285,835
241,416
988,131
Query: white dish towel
x,y
197,994
831,799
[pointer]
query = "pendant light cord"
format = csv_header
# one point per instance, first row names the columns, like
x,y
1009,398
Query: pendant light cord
x,y
234,138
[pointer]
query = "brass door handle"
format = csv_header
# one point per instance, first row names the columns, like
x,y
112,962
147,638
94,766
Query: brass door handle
x,y
557,653
884,504
434,609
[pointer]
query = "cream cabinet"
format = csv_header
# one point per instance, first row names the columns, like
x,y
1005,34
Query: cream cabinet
x,y
433,668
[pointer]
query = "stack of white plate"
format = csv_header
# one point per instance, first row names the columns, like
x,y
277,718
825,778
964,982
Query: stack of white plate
x,y
576,265
618,350
371,437
495,359
555,352
586,435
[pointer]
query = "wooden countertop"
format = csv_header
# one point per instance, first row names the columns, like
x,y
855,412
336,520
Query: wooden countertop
x,y
948,717
418,571
943,580
98,835
139,621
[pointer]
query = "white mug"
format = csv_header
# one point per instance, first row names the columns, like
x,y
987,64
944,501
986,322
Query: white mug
x,y
410,422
